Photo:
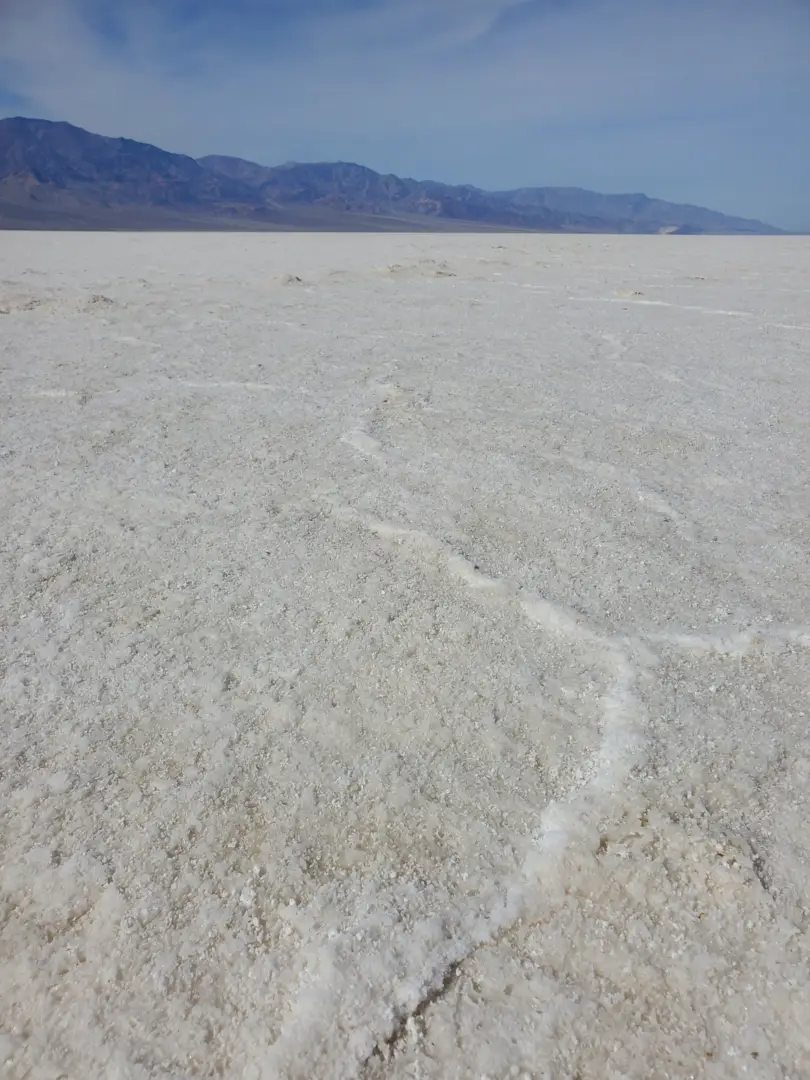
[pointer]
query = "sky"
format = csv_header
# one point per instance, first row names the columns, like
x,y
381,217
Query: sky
x,y
703,101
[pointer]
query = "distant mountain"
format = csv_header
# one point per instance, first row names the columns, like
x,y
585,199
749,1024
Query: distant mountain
x,y
55,175
355,188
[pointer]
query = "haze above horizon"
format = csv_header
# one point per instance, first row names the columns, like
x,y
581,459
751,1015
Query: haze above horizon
x,y
702,103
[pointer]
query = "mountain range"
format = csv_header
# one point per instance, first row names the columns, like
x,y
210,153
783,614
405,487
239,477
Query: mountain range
x,y
57,176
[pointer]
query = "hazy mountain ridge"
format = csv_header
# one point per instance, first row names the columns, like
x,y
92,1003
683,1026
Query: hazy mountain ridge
x,y
53,174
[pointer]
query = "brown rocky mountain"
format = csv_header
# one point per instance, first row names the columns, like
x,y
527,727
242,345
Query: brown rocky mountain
x,y
55,175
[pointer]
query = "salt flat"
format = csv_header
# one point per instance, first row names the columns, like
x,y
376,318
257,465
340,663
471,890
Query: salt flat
x,y
405,660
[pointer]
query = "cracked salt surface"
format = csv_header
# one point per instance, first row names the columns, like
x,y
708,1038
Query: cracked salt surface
x,y
392,690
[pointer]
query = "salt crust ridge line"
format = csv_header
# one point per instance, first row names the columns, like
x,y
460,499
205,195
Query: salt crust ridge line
x,y
621,745
687,307
621,748
370,446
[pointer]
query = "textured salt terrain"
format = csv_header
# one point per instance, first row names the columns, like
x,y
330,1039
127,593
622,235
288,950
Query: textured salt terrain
x,y
405,662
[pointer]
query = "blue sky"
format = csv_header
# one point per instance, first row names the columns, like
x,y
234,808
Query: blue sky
x,y
704,101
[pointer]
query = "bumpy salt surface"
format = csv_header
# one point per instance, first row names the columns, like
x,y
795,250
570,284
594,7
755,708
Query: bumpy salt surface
x,y
405,657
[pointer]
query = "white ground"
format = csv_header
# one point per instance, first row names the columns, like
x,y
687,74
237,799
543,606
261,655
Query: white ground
x,y
405,669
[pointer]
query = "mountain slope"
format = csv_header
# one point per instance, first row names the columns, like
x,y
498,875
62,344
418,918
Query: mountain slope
x,y
55,175
60,157
640,210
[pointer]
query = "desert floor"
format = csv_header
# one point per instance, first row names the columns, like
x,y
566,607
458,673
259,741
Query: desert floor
x,y
404,662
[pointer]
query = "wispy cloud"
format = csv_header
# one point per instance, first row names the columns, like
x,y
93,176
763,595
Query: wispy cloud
x,y
704,100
